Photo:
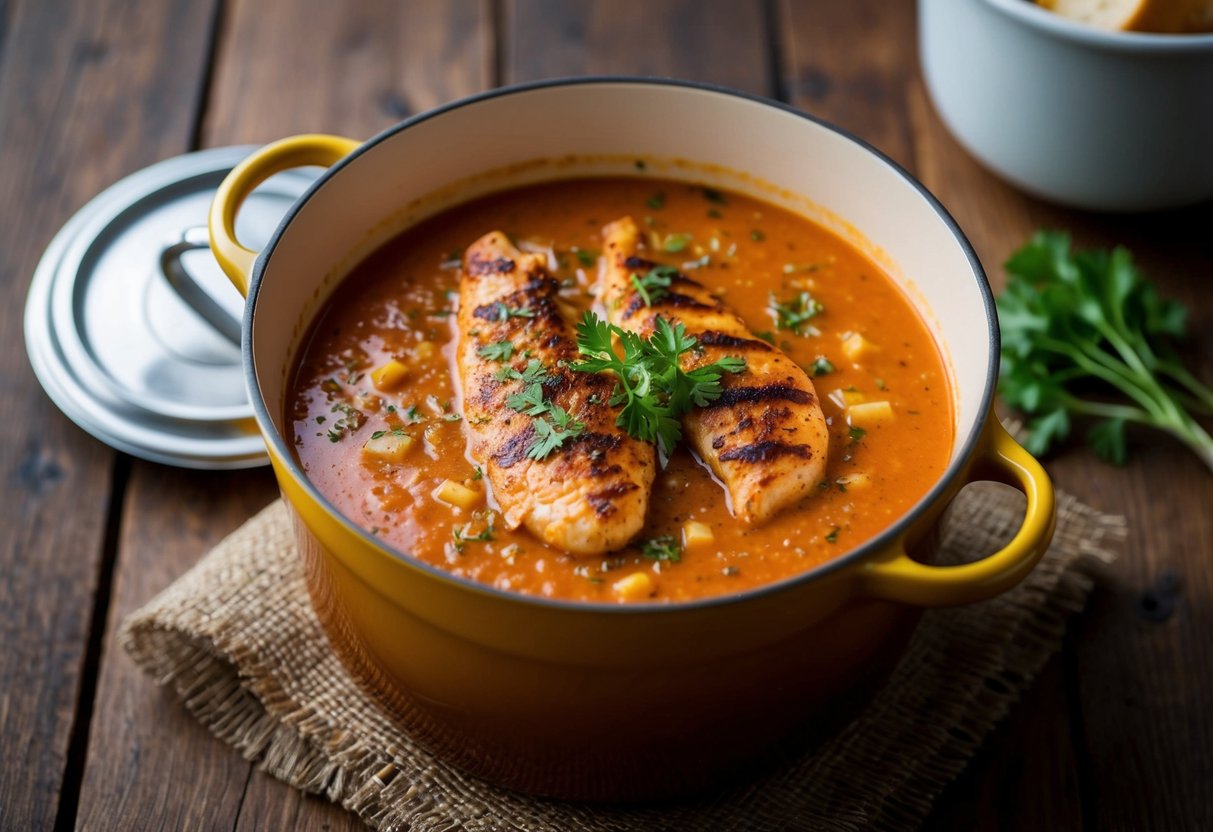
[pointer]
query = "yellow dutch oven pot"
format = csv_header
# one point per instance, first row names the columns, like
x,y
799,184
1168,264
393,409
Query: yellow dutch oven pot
x,y
596,701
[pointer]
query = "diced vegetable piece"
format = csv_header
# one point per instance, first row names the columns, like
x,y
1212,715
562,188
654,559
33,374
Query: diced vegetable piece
x,y
634,587
425,350
846,398
389,447
456,494
852,481
855,346
368,403
695,533
389,375
869,413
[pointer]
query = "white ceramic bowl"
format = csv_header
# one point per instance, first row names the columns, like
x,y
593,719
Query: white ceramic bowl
x,y
1110,121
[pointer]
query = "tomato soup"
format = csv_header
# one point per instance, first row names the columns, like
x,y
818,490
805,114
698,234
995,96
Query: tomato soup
x,y
379,361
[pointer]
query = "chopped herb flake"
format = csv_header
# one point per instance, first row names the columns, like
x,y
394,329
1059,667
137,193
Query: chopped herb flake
x,y
794,315
663,548
499,351
654,284
822,366
675,243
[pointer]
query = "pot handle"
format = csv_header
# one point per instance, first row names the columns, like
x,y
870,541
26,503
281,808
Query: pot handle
x,y
296,151
999,458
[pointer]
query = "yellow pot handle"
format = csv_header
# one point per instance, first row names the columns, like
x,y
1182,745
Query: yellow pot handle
x,y
296,151
900,578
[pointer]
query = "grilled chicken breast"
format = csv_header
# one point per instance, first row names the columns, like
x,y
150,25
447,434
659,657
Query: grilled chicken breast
x,y
590,494
765,437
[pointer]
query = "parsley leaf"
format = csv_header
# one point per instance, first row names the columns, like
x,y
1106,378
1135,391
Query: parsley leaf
x,y
650,385
533,372
822,366
499,351
529,402
796,313
553,432
504,312
1084,334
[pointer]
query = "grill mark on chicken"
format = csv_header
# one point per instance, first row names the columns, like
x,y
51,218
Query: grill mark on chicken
x,y
478,266
515,448
764,451
604,501
671,300
733,396
711,338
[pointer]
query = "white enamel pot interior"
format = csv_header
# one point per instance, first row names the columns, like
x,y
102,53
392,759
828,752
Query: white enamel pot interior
x,y
601,126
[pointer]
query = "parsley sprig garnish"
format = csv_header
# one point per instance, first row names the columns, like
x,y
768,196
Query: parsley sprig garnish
x,y
1083,334
649,383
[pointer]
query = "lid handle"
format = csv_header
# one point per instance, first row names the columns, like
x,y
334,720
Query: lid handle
x,y
190,290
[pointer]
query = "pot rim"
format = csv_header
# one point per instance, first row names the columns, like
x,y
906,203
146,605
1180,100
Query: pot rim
x,y
880,542
1031,16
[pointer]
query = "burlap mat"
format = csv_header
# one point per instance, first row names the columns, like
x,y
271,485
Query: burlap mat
x,y
238,641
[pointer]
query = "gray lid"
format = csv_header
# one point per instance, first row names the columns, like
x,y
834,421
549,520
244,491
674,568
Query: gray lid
x,y
132,328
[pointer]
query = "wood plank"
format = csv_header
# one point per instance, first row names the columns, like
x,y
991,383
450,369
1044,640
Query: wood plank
x,y
151,765
91,91
1142,727
851,64
718,41
376,63
270,806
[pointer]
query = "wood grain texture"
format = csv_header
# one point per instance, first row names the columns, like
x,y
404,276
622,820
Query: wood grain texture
x,y
270,806
149,764
719,41
90,92
298,66
851,63
1142,731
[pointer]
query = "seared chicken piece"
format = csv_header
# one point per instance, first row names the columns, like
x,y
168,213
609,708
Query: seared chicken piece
x,y
765,437
590,494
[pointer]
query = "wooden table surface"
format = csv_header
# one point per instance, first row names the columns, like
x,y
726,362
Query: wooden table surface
x,y
1116,733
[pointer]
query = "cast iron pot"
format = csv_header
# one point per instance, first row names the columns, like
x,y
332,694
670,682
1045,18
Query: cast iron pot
x,y
595,701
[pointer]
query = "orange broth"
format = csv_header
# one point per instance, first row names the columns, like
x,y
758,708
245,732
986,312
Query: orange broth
x,y
398,304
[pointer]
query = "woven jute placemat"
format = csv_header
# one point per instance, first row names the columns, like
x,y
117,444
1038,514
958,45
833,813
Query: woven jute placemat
x,y
238,641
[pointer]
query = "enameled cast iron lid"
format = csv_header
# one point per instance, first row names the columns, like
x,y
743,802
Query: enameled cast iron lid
x,y
133,330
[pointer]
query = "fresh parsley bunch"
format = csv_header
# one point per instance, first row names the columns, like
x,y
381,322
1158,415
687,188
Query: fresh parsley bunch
x,y
1083,334
649,383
